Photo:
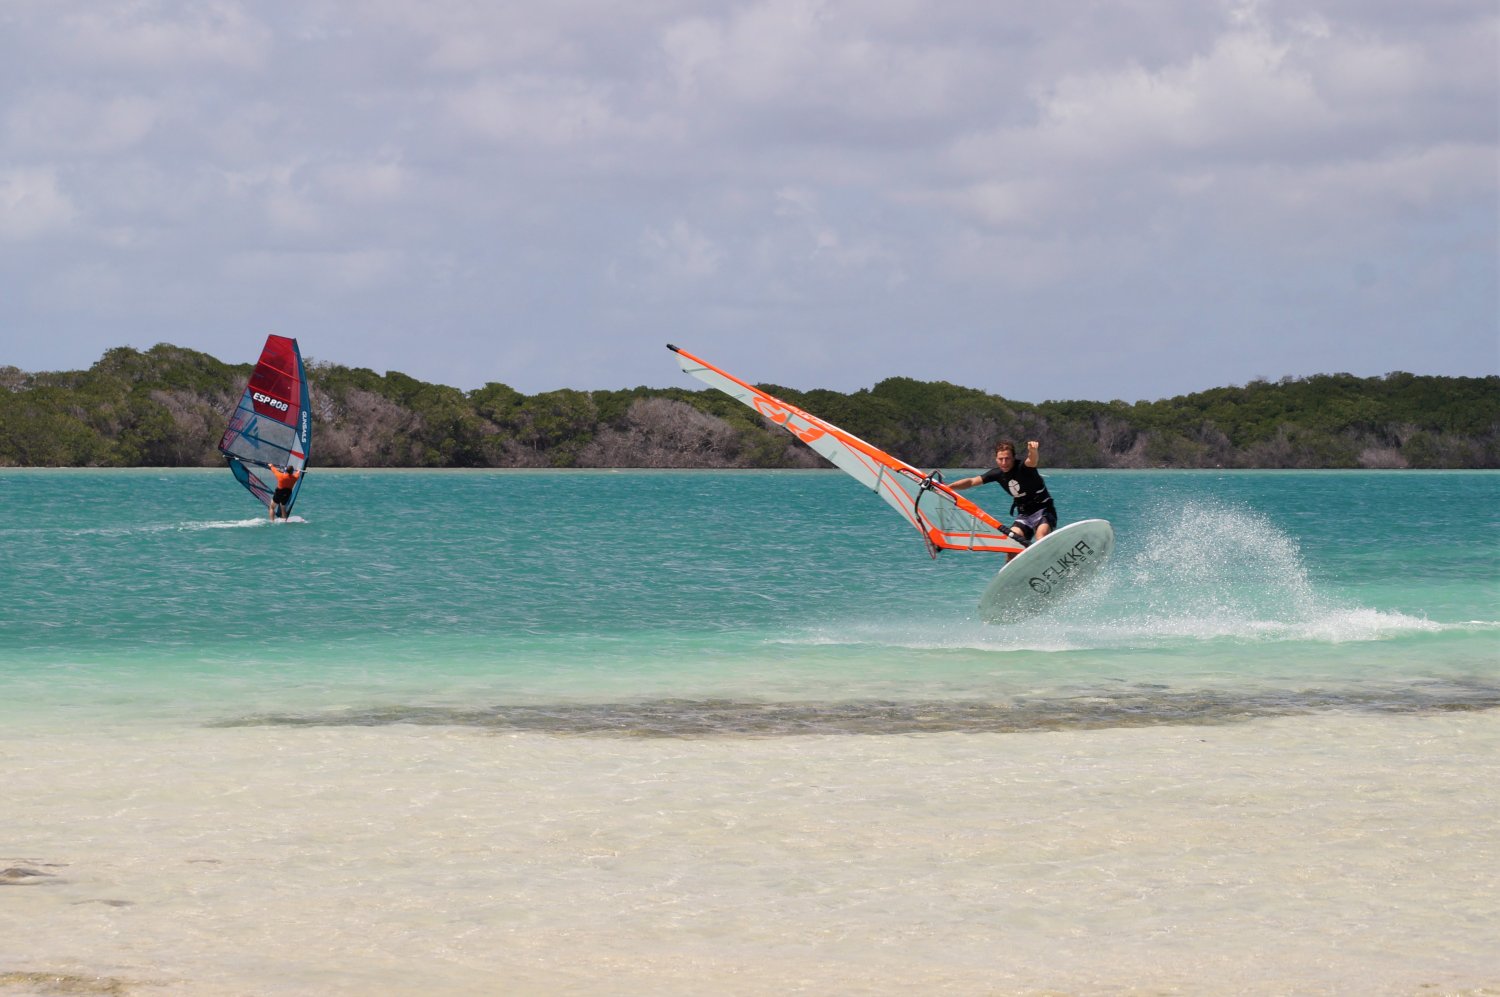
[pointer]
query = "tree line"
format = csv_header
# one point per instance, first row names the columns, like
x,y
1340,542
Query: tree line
x,y
167,407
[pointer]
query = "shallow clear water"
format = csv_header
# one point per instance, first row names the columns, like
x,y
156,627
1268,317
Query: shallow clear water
x,y
625,732
146,594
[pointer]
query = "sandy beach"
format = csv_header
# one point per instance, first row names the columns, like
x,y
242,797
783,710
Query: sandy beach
x,y
1330,855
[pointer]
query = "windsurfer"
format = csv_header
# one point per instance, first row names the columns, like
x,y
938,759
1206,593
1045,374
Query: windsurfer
x,y
1031,503
285,480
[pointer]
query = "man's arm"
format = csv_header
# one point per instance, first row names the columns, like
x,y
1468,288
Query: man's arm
x,y
1033,453
959,486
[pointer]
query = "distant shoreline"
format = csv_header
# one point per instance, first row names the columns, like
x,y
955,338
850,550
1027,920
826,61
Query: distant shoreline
x,y
168,406
1064,471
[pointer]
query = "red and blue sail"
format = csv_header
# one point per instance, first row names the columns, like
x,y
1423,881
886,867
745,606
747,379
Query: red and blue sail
x,y
272,423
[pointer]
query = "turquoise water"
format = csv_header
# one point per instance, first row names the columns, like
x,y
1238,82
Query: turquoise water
x,y
610,733
692,602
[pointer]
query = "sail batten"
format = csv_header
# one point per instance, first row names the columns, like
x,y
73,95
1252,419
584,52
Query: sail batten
x,y
272,424
947,522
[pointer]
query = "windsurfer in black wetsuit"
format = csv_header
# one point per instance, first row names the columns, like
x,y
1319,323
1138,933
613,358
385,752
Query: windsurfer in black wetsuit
x,y
285,480
1030,501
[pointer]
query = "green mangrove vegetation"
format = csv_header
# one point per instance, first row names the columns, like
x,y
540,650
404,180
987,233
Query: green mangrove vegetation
x,y
167,406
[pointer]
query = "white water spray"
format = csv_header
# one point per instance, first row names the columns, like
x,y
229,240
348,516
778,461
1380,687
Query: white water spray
x,y
1207,570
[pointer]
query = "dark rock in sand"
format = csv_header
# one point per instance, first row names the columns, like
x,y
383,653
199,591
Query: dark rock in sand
x,y
63,984
17,876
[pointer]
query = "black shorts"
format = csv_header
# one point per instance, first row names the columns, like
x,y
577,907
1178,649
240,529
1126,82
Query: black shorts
x,y
1029,522
282,496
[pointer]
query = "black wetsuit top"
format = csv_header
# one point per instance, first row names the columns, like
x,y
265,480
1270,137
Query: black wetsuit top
x,y
1028,492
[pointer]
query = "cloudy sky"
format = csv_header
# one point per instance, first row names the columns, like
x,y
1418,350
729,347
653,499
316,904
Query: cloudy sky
x,y
1097,200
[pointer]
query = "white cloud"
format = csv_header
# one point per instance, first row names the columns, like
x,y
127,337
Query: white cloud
x,y
33,204
61,122
527,112
800,56
803,231
680,252
1267,134
1244,96
384,179
162,36
342,272
1023,203
293,213
809,166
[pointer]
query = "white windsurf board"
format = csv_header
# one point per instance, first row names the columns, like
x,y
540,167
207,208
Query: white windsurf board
x,y
1048,571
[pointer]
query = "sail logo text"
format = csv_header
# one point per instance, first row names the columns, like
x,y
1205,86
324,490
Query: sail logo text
x,y
782,416
1049,577
275,403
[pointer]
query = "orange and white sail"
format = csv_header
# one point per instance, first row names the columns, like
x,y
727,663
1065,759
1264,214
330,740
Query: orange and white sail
x,y
945,519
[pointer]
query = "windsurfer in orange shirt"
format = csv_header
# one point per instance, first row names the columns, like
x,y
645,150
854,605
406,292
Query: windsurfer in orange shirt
x,y
285,479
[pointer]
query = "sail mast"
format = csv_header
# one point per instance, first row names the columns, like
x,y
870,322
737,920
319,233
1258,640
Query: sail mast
x,y
272,424
945,519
